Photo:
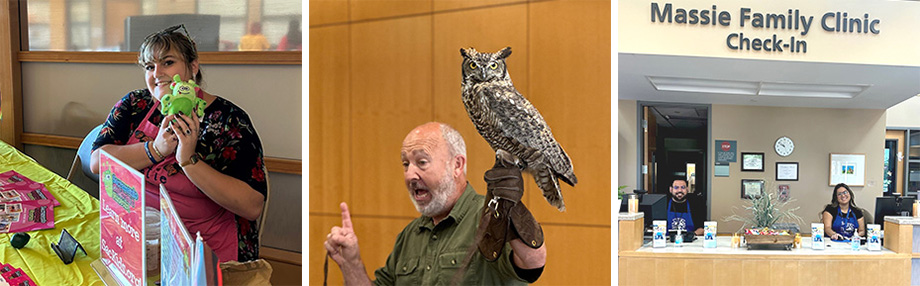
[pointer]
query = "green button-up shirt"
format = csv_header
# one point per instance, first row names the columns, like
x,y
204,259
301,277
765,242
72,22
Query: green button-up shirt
x,y
428,254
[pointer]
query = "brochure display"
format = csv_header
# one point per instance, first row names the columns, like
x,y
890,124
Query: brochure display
x,y
175,245
817,236
873,236
659,227
184,261
121,221
709,234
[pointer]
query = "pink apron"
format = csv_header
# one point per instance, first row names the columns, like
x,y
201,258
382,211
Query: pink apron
x,y
198,212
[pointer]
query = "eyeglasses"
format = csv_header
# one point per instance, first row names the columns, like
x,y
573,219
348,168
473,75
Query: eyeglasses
x,y
679,187
843,194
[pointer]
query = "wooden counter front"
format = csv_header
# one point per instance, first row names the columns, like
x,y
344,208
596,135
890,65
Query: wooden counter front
x,y
694,265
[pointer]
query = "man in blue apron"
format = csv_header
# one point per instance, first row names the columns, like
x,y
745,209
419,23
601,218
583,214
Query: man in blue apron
x,y
683,212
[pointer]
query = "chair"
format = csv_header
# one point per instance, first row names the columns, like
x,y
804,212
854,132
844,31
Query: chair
x,y
84,153
268,189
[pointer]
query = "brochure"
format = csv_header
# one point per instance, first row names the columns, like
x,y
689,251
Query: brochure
x,y
873,236
817,236
709,234
26,216
15,187
659,230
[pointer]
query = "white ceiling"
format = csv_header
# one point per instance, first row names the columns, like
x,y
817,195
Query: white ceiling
x,y
889,85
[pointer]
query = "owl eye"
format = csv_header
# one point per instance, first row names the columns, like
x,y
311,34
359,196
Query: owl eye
x,y
493,66
473,65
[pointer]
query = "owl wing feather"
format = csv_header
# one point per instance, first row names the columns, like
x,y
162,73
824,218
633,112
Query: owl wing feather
x,y
516,126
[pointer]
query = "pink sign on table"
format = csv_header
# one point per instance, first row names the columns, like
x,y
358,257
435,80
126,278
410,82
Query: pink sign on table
x,y
121,220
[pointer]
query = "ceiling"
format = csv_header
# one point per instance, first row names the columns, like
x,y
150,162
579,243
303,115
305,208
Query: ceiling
x,y
680,117
887,85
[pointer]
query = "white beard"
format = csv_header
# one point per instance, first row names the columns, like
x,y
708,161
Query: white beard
x,y
439,196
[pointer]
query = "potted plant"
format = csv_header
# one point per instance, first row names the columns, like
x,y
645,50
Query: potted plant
x,y
763,212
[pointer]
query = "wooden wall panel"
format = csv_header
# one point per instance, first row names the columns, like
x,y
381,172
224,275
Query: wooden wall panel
x,y
675,274
811,272
757,272
640,271
577,255
475,28
374,9
442,5
727,272
328,11
330,141
391,94
320,225
570,84
784,272
700,272
376,237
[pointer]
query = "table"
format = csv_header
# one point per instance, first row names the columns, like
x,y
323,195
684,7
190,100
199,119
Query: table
x,y
78,213
694,265
641,264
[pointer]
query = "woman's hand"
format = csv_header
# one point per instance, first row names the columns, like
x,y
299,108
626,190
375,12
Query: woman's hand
x,y
187,130
166,140
836,236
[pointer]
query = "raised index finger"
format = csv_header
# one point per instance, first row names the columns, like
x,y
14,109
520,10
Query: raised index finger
x,y
346,216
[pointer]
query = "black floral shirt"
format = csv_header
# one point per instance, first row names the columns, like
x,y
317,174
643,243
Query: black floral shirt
x,y
228,143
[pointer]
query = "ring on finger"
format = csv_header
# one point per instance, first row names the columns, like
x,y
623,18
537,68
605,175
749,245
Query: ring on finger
x,y
187,131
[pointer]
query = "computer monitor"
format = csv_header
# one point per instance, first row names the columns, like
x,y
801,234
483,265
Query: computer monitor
x,y
204,29
654,206
892,206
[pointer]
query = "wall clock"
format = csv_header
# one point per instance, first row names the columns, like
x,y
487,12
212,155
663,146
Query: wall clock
x,y
784,146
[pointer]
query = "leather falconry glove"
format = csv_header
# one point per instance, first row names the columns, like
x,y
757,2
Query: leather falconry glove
x,y
505,217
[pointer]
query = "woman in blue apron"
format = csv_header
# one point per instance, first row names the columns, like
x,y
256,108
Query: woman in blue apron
x,y
842,218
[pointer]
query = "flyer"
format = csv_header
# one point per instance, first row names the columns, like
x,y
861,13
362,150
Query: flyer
x,y
26,216
709,234
16,187
817,236
659,227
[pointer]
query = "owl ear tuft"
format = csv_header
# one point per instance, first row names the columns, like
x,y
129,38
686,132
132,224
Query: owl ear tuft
x,y
463,53
504,53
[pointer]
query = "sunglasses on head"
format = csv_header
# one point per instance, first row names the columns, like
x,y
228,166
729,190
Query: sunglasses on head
x,y
173,29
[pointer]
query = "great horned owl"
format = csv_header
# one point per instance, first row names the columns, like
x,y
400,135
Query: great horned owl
x,y
511,124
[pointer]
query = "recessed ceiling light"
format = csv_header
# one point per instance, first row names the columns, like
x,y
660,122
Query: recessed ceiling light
x,y
764,88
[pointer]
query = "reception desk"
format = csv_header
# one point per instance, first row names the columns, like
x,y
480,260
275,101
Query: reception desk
x,y
692,264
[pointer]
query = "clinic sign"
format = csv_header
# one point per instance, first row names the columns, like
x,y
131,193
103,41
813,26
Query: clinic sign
x,y
788,27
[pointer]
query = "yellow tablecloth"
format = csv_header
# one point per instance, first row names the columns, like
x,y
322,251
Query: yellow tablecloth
x,y
78,213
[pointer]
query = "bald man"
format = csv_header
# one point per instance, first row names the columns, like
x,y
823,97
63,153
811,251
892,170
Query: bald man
x,y
433,247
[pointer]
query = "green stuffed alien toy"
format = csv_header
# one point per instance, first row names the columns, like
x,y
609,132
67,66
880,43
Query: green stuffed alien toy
x,y
183,98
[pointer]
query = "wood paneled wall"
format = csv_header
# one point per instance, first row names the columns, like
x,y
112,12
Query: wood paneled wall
x,y
380,68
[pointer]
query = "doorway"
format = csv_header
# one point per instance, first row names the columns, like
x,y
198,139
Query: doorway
x,y
674,143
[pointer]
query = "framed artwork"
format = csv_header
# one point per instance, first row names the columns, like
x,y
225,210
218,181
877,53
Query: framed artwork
x,y
787,171
751,188
752,162
849,169
783,193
